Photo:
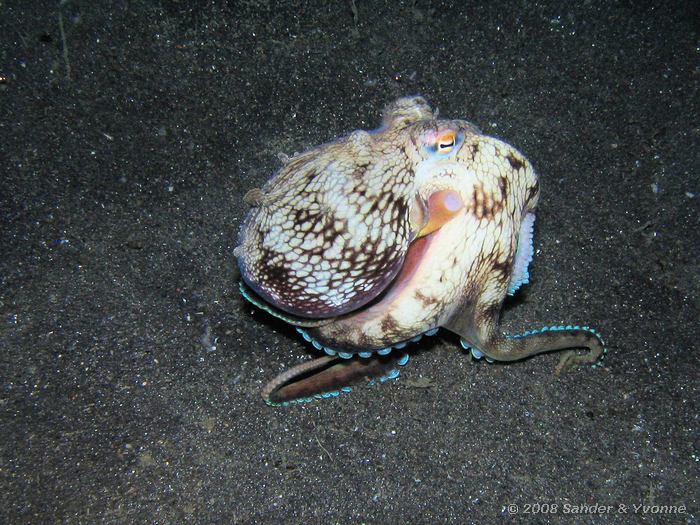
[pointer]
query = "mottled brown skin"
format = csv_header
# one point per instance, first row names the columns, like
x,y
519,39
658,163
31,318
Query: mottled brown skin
x,y
331,230
380,237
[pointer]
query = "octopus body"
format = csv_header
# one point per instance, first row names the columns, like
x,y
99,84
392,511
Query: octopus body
x,y
372,241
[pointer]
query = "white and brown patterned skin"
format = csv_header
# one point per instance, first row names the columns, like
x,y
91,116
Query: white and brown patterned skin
x,y
342,234
329,231
467,263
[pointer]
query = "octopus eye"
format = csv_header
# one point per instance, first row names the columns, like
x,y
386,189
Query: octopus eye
x,y
446,141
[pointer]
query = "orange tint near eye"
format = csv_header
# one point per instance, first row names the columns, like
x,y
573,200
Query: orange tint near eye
x,y
442,206
446,141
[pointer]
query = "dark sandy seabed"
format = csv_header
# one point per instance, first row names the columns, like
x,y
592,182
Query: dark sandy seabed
x,y
131,367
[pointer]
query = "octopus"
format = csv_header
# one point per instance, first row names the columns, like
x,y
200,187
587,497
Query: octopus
x,y
370,242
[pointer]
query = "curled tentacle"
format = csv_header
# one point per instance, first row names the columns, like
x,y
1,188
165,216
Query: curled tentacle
x,y
544,340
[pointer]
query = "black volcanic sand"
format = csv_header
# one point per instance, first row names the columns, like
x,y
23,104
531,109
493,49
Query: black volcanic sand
x,y
131,367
